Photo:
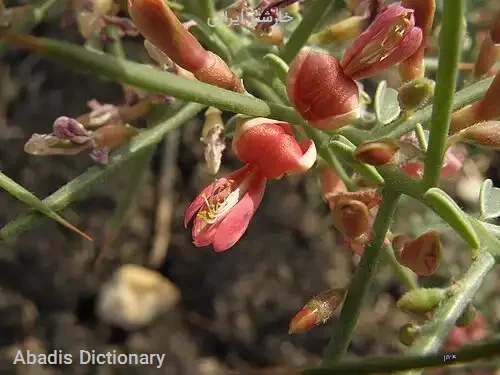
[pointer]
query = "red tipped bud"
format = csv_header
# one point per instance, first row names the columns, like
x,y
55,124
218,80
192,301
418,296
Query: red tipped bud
x,y
331,183
416,94
317,311
486,134
390,39
421,255
271,146
489,54
156,21
484,110
413,66
352,218
422,300
377,152
321,92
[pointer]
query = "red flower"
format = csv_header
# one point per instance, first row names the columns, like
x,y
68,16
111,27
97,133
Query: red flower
x,y
321,92
390,39
224,209
271,146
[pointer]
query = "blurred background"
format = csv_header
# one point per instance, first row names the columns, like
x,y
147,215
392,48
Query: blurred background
x,y
208,312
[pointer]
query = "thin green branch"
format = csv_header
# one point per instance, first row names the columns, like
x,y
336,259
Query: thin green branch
x,y
435,331
306,27
360,283
79,187
449,55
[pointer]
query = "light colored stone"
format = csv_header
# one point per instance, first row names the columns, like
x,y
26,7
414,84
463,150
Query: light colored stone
x,y
135,296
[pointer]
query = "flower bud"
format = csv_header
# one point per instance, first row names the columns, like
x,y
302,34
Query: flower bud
x,y
377,153
416,93
321,92
413,66
467,316
485,134
271,146
331,183
70,129
390,39
421,255
408,333
489,54
484,110
495,30
352,218
213,139
317,311
156,21
422,300
113,136
347,29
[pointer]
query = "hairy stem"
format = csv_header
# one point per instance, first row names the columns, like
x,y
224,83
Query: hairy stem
x,y
450,47
342,332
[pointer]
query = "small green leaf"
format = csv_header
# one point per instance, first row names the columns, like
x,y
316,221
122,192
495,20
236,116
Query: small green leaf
x,y
25,196
446,207
489,200
386,103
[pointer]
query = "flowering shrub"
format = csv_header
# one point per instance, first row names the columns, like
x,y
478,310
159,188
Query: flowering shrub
x,y
299,106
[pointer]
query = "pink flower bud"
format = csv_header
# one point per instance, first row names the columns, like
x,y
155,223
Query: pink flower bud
x,y
331,183
224,209
321,92
70,129
421,255
271,146
156,21
485,134
317,311
390,39
484,110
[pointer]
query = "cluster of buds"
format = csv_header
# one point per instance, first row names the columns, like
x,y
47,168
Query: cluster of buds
x,y
485,109
223,210
422,255
318,310
93,16
99,131
160,26
324,91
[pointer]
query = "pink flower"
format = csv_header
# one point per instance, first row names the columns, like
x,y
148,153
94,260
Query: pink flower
x,y
224,209
452,163
390,39
321,92
271,146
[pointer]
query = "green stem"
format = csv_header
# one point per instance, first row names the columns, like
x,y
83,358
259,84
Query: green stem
x,y
394,363
450,48
419,131
207,9
301,34
79,187
404,275
341,335
435,331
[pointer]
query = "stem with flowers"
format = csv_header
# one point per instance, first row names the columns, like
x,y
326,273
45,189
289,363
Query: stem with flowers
x,y
302,113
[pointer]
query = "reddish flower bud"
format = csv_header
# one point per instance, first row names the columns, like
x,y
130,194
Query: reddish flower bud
x,y
377,152
70,129
224,209
413,66
421,255
321,92
271,146
390,39
317,311
484,110
156,21
495,30
352,218
486,134
489,54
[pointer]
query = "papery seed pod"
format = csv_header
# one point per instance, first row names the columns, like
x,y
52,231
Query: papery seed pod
x,y
408,333
421,300
416,93
370,197
317,311
377,153
347,29
485,134
113,136
467,316
213,139
422,255
351,218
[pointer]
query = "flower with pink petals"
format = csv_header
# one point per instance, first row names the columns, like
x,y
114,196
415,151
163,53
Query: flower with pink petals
x,y
390,39
224,209
271,146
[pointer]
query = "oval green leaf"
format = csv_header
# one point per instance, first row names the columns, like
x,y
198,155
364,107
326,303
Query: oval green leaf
x,y
489,200
386,103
